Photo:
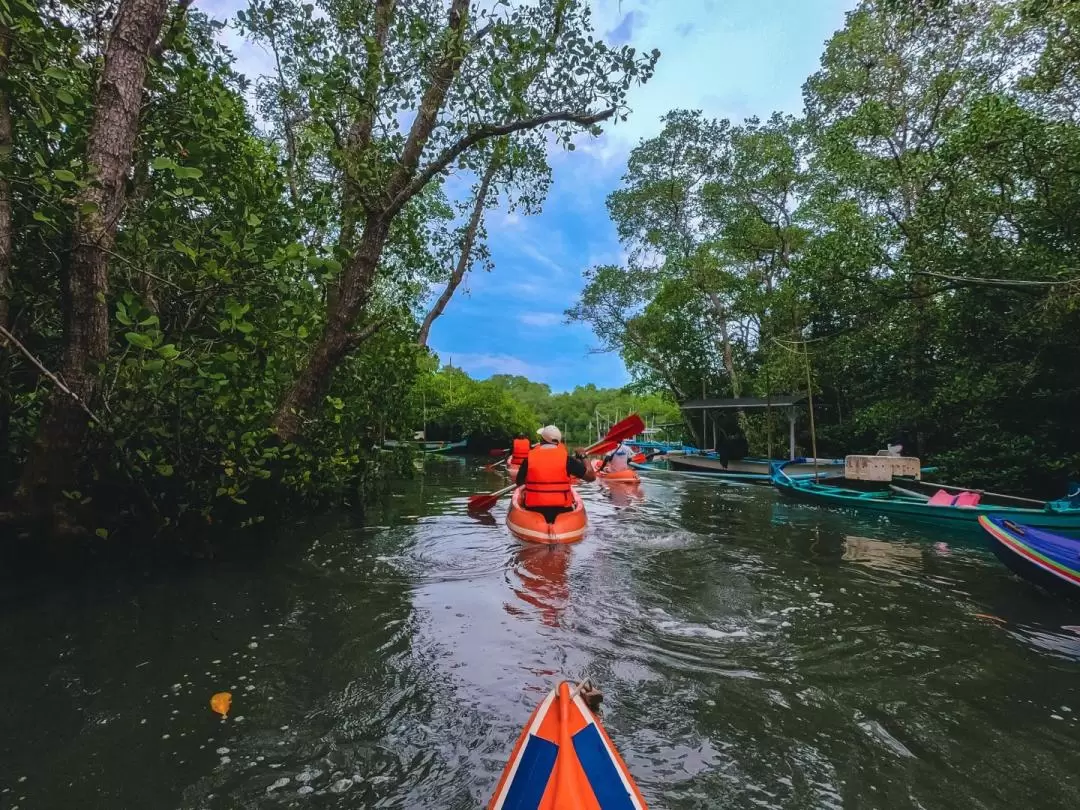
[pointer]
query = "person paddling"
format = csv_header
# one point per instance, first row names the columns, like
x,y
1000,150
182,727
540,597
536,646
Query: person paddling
x,y
519,451
546,474
618,459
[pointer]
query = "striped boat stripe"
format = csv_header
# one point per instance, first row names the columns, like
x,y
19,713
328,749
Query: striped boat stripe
x,y
538,718
603,775
543,535
611,755
530,780
1030,554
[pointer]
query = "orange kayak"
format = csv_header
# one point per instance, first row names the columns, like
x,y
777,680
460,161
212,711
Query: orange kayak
x,y
569,527
625,476
565,759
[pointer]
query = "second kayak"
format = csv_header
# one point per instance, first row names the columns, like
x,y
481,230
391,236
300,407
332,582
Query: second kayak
x,y
533,527
565,759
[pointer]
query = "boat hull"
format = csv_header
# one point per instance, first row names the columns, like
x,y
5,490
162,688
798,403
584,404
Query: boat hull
x,y
1046,559
532,527
620,477
565,759
1058,516
751,470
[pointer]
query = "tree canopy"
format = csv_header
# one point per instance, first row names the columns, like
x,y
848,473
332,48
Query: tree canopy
x,y
907,247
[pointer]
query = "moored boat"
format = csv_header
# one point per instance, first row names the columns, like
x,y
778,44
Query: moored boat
x,y
565,759
908,498
754,470
533,527
1041,557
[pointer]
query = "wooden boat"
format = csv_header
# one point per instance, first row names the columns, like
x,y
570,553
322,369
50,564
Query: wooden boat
x,y
1047,559
564,759
754,470
533,527
908,498
428,447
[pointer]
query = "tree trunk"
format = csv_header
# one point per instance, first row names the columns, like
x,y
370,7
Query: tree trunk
x,y
6,248
465,259
51,466
337,338
354,289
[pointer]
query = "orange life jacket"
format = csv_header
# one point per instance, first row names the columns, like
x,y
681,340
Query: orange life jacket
x,y
520,451
546,480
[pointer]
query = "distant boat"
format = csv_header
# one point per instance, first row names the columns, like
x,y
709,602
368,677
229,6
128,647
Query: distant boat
x,y
754,470
428,447
941,503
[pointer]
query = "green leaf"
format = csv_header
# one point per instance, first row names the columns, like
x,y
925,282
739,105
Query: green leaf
x,y
154,365
244,327
102,533
138,340
189,172
165,470
302,332
64,176
65,96
56,73
183,362
88,208
150,321
163,163
187,250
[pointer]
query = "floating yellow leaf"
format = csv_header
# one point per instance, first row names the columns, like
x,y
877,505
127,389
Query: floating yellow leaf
x,y
221,702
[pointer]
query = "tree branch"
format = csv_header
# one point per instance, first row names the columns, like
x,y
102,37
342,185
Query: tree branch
x,y
4,333
172,31
359,336
485,132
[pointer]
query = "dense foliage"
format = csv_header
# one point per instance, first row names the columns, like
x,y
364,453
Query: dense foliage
x,y
491,412
909,246
199,310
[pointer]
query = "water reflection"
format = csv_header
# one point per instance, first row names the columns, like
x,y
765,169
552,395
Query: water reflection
x,y
753,653
541,574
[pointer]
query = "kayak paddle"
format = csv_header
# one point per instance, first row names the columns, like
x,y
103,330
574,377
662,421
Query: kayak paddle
x,y
630,426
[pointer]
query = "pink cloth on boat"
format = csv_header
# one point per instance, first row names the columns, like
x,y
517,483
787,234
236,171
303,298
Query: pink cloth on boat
x,y
967,499
941,498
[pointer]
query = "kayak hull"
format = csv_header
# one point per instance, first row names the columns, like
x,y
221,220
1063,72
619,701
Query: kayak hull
x,y
1044,558
565,759
532,527
620,477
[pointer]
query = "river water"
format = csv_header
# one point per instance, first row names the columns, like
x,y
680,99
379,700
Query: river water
x,y
754,653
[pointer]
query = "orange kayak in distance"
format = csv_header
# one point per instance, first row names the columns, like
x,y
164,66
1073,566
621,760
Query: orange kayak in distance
x,y
626,476
525,524
564,759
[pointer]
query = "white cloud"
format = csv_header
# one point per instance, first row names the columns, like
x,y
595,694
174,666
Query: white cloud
x,y
484,365
542,319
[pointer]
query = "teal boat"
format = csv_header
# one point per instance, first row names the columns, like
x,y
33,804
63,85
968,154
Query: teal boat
x,y
940,503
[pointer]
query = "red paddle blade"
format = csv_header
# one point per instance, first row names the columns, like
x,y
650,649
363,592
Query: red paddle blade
x,y
482,503
630,426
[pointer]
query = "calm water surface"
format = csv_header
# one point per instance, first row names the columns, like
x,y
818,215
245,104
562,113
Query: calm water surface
x,y
754,653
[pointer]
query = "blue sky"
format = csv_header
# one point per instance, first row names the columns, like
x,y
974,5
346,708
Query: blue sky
x,y
730,58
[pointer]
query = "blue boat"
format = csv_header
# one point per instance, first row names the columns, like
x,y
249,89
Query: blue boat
x,y
1044,558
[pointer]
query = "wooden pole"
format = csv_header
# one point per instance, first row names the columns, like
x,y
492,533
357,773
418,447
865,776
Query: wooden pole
x,y
810,395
